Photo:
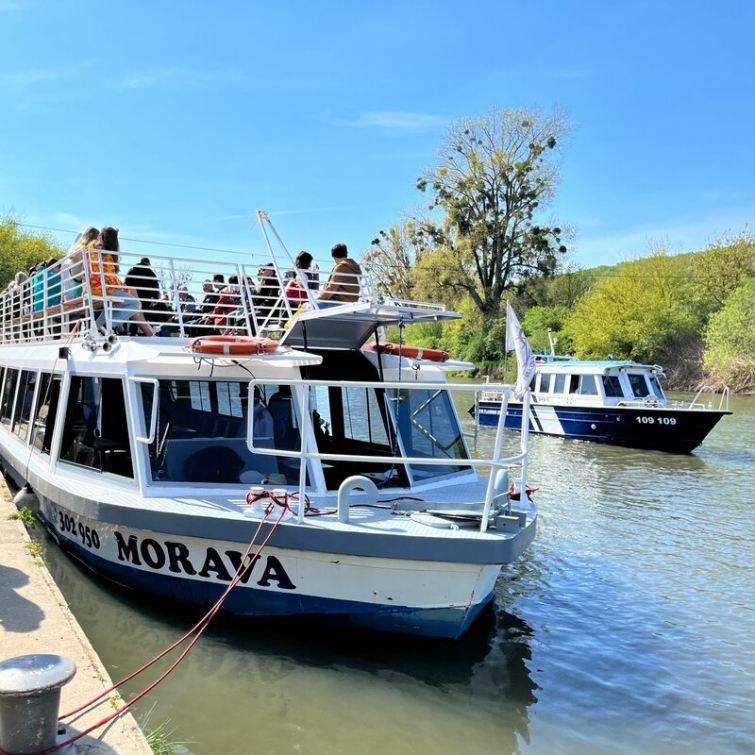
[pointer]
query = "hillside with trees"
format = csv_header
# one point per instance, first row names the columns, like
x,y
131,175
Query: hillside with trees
x,y
484,239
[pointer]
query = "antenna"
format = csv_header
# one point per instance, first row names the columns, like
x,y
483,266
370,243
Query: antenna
x,y
552,340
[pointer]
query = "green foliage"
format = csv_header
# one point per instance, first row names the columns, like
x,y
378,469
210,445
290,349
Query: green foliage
x,y
394,256
34,548
723,268
536,323
25,515
731,340
20,249
160,742
494,175
646,305
566,287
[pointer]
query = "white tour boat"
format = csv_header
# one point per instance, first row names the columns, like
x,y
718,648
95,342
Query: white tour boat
x,y
298,452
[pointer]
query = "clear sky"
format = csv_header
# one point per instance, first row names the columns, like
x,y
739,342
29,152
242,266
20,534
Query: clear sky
x,y
175,120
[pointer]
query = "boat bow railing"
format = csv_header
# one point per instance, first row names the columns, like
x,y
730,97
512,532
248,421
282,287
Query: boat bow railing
x,y
308,450
709,392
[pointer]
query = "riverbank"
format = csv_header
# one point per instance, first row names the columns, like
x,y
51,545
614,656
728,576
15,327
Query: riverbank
x,y
35,618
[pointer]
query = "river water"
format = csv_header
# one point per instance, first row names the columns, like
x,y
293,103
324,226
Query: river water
x,y
628,627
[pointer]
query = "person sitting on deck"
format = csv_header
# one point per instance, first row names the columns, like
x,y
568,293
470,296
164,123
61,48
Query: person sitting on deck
x,y
143,279
295,289
72,269
101,264
343,284
268,294
227,304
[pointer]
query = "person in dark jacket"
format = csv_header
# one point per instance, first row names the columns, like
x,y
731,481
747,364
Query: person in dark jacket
x,y
143,279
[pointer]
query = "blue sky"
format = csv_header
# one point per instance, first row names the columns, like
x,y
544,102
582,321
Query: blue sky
x,y
176,120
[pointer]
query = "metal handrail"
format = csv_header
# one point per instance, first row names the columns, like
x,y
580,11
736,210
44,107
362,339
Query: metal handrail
x,y
723,404
304,453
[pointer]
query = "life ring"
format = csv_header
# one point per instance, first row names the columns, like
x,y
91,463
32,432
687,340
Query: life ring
x,y
232,345
413,352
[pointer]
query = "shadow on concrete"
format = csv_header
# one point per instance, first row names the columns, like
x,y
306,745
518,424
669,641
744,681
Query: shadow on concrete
x,y
16,612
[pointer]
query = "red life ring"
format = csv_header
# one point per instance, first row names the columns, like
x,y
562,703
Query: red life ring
x,y
232,345
413,352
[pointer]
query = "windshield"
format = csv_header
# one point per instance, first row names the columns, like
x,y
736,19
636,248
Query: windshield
x,y
428,427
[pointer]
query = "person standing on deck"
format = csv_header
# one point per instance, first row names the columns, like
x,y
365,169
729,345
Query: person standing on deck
x,y
343,283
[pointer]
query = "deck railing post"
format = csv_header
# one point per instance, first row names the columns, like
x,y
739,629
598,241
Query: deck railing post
x,y
304,423
495,457
244,302
524,441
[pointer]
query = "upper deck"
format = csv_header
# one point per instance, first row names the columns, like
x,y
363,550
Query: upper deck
x,y
85,295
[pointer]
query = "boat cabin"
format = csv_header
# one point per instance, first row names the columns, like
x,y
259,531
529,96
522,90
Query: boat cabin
x,y
605,383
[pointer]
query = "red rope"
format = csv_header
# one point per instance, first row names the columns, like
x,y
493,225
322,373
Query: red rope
x,y
198,628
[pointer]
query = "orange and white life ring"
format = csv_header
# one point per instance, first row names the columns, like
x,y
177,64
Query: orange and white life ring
x,y
413,352
232,345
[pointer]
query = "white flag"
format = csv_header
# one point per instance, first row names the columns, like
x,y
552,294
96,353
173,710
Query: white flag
x,y
517,341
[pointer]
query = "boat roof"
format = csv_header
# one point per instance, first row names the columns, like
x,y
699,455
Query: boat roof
x,y
574,365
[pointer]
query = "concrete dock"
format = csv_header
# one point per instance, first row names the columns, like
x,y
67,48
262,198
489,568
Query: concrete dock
x,y
34,618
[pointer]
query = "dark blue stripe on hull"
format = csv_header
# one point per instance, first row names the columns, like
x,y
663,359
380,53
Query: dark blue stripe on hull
x,y
448,623
669,430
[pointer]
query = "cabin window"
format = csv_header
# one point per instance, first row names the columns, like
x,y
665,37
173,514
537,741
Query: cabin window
x,y
45,413
362,418
638,385
22,411
96,427
545,383
428,427
612,386
656,386
10,381
583,385
354,421
560,384
201,432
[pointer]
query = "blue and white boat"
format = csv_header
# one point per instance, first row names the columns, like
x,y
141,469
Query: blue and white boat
x,y
158,461
612,401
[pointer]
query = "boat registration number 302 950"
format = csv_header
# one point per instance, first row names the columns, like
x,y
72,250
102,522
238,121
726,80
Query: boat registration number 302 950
x,y
644,420
87,535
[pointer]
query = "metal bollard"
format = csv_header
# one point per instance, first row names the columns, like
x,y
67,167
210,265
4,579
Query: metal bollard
x,y
29,701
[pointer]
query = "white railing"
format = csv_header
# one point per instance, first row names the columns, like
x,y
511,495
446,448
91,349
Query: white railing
x,y
185,297
308,451
708,390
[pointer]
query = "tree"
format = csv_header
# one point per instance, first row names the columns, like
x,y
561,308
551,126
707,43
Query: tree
x,y
724,266
393,256
19,249
731,340
495,173
539,320
644,306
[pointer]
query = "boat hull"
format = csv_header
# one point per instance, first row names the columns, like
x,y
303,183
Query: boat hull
x,y
661,429
429,599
